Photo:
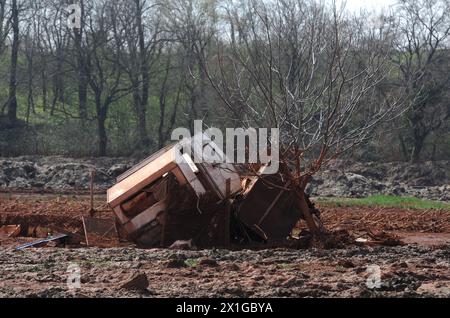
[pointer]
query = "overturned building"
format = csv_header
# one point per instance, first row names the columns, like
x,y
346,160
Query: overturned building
x,y
167,198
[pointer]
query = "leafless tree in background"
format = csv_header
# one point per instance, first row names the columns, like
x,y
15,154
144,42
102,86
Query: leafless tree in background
x,y
106,76
142,30
308,70
423,60
12,97
192,24
319,74
4,25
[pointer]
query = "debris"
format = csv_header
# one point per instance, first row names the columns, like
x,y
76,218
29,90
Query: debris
x,y
39,231
268,207
346,263
181,245
176,263
59,237
10,230
138,281
207,262
100,232
91,192
167,198
72,238
384,238
333,239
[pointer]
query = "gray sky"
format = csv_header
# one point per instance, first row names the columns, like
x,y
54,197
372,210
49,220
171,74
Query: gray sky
x,y
377,5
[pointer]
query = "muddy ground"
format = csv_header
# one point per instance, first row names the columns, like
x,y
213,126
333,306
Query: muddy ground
x,y
409,271
420,268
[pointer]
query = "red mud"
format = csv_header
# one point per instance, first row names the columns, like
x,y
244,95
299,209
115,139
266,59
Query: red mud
x,y
37,213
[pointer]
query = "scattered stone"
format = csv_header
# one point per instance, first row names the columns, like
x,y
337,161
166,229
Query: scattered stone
x,y
181,245
207,262
176,263
136,282
346,263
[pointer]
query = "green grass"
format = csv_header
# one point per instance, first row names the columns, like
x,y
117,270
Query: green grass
x,y
385,201
191,262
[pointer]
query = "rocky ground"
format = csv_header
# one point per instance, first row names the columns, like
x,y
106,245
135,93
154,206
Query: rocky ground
x,y
408,271
429,180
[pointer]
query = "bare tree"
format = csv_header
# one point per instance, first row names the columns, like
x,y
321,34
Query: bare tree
x,y
422,57
106,77
308,70
170,85
141,25
82,72
4,25
12,98
193,25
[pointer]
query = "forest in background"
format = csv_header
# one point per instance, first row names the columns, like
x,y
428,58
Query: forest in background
x,y
137,69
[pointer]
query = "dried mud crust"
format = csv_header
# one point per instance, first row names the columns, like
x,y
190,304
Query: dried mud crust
x,y
407,271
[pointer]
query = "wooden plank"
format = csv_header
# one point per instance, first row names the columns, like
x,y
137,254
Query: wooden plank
x,y
217,174
145,217
144,162
120,215
179,175
188,172
141,178
272,205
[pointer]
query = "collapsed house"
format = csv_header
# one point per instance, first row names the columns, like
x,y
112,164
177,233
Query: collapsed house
x,y
168,198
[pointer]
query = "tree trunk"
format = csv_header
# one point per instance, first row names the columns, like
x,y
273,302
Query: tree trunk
x,y
101,127
102,138
44,90
144,70
162,115
419,136
30,99
2,30
417,150
82,72
12,99
302,205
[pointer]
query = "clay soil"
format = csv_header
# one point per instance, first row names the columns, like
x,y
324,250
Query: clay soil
x,y
418,268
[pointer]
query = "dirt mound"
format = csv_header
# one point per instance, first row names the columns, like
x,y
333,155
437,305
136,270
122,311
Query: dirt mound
x,y
429,180
60,174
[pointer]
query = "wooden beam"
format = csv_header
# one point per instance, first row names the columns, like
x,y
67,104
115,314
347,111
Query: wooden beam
x,y
145,217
